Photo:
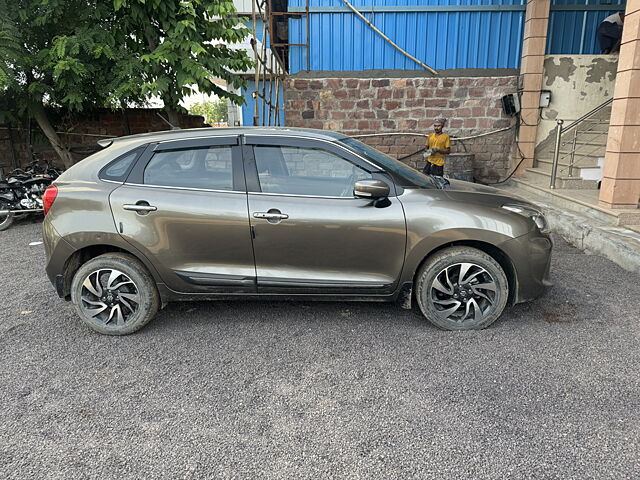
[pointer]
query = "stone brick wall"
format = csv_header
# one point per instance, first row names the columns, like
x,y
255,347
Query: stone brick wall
x,y
82,133
364,105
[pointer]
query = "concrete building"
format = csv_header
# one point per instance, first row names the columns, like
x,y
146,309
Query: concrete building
x,y
344,76
603,149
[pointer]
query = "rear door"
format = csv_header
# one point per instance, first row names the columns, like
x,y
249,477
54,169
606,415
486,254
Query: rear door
x,y
311,235
184,205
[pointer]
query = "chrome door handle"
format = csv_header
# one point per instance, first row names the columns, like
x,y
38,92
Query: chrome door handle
x,y
140,208
270,215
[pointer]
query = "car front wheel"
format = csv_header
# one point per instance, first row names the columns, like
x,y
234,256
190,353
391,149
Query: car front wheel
x,y
462,288
114,294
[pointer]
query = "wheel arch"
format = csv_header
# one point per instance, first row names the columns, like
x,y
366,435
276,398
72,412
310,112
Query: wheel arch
x,y
496,253
84,254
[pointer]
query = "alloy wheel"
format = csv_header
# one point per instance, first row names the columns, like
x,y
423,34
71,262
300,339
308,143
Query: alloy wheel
x,y
109,296
462,292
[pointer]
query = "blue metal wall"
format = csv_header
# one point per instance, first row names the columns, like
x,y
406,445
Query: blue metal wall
x,y
249,104
442,33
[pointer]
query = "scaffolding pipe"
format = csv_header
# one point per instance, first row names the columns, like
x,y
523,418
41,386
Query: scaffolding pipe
x,y
254,44
269,67
263,55
424,65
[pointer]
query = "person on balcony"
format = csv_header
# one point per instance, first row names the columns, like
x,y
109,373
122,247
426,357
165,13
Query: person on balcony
x,y
610,33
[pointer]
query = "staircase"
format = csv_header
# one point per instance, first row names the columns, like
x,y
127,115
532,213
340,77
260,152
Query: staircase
x,y
581,154
579,170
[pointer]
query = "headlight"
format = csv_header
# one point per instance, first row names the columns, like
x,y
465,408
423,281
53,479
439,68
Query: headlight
x,y
531,213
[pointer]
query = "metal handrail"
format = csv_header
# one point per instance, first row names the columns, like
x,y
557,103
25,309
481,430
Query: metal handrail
x,y
560,131
587,115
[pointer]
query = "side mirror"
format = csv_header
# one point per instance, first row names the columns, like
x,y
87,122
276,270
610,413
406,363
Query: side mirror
x,y
371,189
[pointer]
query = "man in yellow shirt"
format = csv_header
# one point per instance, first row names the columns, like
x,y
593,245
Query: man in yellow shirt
x,y
438,145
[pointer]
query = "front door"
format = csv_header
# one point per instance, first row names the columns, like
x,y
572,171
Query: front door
x,y
311,235
184,205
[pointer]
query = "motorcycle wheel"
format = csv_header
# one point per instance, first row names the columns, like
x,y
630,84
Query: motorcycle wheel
x,y
5,220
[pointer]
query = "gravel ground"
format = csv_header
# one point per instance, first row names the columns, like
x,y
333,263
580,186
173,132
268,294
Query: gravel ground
x,y
309,390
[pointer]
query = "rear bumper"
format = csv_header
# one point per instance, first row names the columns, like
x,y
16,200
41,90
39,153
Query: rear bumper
x,y
531,258
57,252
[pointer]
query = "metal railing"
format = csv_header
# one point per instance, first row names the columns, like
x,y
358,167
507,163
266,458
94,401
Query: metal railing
x,y
571,154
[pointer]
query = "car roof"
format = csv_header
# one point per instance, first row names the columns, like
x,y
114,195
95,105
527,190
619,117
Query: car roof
x,y
165,135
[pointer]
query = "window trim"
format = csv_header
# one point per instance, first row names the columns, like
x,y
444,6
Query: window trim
x,y
193,189
251,169
191,143
138,151
136,176
307,142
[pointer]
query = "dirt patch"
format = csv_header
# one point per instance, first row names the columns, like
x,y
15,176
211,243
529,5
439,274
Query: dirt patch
x,y
563,313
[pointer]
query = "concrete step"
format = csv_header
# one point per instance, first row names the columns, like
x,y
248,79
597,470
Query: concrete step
x,y
597,121
603,143
599,129
580,200
590,143
543,178
587,226
589,153
563,166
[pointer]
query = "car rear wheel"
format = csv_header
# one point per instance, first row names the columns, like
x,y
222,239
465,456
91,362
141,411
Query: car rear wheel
x,y
114,294
462,288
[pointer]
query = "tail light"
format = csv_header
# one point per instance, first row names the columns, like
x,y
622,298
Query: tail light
x,y
49,197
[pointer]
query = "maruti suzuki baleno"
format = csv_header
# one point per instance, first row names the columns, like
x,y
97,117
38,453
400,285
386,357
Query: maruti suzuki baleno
x,y
282,214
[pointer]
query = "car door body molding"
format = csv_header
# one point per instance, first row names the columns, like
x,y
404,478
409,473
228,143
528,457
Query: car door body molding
x,y
362,247
200,238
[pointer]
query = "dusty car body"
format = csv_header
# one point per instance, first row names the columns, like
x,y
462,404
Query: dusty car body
x,y
282,213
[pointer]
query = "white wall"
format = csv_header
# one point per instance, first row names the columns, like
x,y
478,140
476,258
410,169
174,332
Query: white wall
x,y
578,84
243,6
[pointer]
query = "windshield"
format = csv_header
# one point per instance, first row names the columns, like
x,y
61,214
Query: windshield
x,y
408,177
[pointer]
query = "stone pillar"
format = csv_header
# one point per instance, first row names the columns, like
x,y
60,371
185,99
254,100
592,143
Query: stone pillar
x,y
621,176
531,69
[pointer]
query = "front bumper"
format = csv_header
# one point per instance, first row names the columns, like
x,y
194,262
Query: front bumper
x,y
530,255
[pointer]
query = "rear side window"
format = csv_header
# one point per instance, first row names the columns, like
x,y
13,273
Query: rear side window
x,y
207,168
118,169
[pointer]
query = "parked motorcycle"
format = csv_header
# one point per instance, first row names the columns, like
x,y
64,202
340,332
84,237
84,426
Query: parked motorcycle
x,y
21,192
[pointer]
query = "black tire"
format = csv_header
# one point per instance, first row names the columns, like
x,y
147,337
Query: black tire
x,y
131,301
5,220
472,302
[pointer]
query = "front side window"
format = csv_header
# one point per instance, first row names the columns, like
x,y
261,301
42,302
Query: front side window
x,y
403,173
306,171
204,168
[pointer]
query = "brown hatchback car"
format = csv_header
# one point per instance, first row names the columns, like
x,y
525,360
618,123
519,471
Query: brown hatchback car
x,y
282,214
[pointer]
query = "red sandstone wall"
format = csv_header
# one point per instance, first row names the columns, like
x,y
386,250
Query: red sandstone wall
x,y
355,106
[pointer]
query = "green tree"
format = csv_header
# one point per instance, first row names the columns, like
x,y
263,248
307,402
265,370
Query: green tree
x,y
61,54
212,110
77,55
181,45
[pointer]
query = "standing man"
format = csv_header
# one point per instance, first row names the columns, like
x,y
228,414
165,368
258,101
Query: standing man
x,y
610,33
438,145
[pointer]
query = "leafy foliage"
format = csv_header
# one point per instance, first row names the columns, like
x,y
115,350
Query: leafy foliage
x,y
213,111
180,44
78,55
64,53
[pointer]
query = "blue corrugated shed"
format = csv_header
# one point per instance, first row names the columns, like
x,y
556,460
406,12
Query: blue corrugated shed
x,y
249,104
443,34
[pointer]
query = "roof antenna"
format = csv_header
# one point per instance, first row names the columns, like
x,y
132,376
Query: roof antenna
x,y
173,127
